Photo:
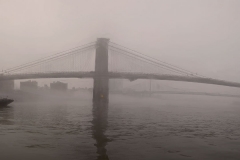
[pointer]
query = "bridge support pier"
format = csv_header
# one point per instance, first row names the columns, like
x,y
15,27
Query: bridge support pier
x,y
101,80
6,86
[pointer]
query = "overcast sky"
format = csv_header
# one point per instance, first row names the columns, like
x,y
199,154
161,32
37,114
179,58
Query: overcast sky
x,y
199,35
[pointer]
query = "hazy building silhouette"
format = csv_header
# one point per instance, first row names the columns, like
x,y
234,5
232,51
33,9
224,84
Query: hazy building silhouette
x,y
115,84
46,86
29,85
6,86
59,86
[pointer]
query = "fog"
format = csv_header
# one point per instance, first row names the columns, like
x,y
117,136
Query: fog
x,y
199,35
56,125
142,118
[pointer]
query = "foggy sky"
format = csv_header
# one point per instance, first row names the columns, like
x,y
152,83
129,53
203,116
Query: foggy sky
x,y
199,35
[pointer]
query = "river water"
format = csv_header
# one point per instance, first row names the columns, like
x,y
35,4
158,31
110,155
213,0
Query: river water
x,y
165,127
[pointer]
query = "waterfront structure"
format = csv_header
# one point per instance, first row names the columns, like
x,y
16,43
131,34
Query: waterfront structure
x,y
29,85
59,86
116,85
111,61
6,86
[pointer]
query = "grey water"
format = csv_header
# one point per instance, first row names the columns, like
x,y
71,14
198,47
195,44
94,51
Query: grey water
x,y
165,127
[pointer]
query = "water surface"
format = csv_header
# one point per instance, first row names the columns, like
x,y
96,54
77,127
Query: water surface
x,y
157,127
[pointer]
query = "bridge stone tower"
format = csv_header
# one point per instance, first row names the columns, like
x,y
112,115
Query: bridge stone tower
x,y
101,81
6,86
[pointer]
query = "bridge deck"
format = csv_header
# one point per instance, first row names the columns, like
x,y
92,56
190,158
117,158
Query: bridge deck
x,y
119,75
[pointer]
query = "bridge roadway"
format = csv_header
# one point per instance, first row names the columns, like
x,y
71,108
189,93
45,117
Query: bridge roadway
x,y
119,75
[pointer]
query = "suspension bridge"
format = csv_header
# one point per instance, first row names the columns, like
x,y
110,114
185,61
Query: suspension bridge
x,y
103,60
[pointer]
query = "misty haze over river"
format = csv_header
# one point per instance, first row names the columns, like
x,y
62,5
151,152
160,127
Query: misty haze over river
x,y
58,127
169,69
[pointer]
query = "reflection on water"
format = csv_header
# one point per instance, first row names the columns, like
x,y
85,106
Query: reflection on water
x,y
99,126
180,127
6,115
